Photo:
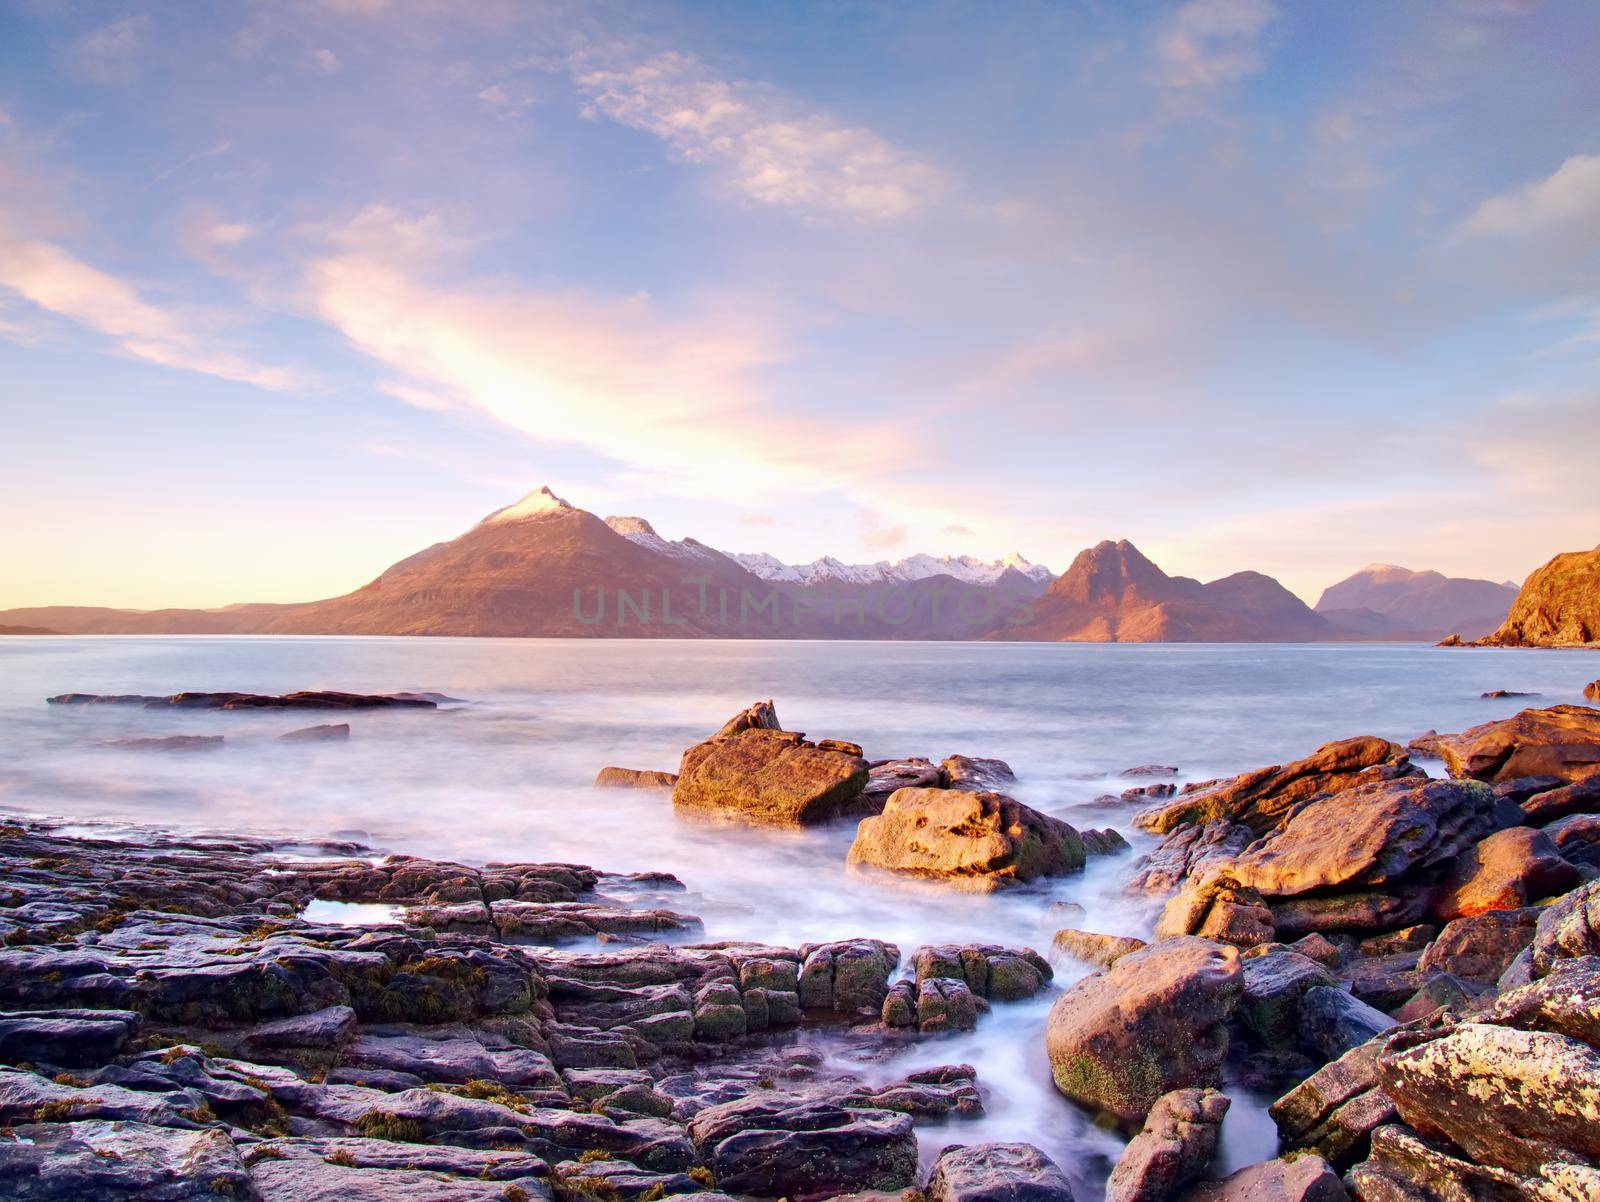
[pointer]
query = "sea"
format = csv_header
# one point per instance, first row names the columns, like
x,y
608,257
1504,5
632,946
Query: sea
x,y
505,774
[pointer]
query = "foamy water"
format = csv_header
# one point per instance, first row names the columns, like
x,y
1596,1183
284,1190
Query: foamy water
x,y
507,775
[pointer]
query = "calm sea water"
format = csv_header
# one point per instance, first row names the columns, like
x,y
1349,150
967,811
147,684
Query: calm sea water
x,y
507,775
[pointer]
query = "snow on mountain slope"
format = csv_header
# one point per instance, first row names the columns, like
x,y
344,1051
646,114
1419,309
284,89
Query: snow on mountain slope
x,y
637,530
916,567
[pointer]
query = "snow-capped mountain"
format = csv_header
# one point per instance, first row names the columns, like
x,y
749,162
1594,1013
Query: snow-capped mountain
x,y
640,532
964,568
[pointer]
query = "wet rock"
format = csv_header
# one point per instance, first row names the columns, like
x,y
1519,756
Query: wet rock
x,y
945,1004
1258,799
969,840
1482,947
1334,1111
978,775
1191,851
1307,1178
1333,1021
1091,948
782,1146
1568,927
1385,981
993,972
366,1170
768,777
1273,983
331,732
1103,842
1563,740
456,1060
1534,1098
321,1029
1176,1145
996,1173
619,1180
1217,908
885,776
1406,939
1319,948
634,778
1440,991
1154,1022
1151,770
758,715
26,1097
849,977
1579,797
66,1038
106,1161
1366,835
1505,871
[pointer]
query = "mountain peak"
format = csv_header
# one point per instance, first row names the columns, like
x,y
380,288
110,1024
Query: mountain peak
x,y
629,526
541,502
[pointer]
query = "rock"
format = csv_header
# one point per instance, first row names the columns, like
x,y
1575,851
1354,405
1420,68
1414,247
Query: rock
x,y
1154,1022
848,977
975,841
1405,1166
106,1161
1498,694
1151,770
1563,740
802,1148
1560,800
1319,948
1440,991
1482,947
1363,910
619,1181
1566,1002
1217,908
758,715
1103,842
978,775
1534,1095
945,1004
1104,950
1334,1022
996,1173
769,777
322,1029
170,743
1366,835
331,732
634,778
1505,871
1568,927
1558,605
1273,983
1406,939
66,1038
1260,798
998,973
1192,851
1177,1143
1385,981
885,776
1307,1178
1577,838
367,1170
1335,1110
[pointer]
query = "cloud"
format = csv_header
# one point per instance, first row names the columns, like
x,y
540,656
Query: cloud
x,y
885,539
957,528
325,61
757,519
1568,199
110,53
51,278
675,401
769,149
1207,43
188,160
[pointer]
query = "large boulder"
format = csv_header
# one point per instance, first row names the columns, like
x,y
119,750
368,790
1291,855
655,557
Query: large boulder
x,y
1274,982
1510,1098
1259,798
975,841
1569,927
1334,1111
634,778
1217,908
1369,835
1176,1145
996,1173
1482,947
1563,740
756,774
1156,1021
1560,798
1506,871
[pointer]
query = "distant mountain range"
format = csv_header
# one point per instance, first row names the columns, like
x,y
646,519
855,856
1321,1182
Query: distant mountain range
x,y
544,568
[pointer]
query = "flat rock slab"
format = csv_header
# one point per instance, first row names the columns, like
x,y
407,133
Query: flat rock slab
x,y
1563,741
997,1173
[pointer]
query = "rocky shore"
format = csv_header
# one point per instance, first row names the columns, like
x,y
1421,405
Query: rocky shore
x,y
1409,964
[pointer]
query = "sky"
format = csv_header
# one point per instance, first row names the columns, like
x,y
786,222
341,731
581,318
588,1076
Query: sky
x,y
291,289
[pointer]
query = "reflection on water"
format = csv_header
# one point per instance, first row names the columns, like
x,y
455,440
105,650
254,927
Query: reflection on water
x,y
351,914
506,777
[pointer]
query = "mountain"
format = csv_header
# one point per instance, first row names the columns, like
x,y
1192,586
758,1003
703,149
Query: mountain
x,y
1559,606
1385,601
829,570
1113,594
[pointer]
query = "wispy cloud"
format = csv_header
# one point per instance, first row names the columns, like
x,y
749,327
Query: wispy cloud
x,y
110,53
51,278
1567,199
216,150
675,400
768,146
1206,43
